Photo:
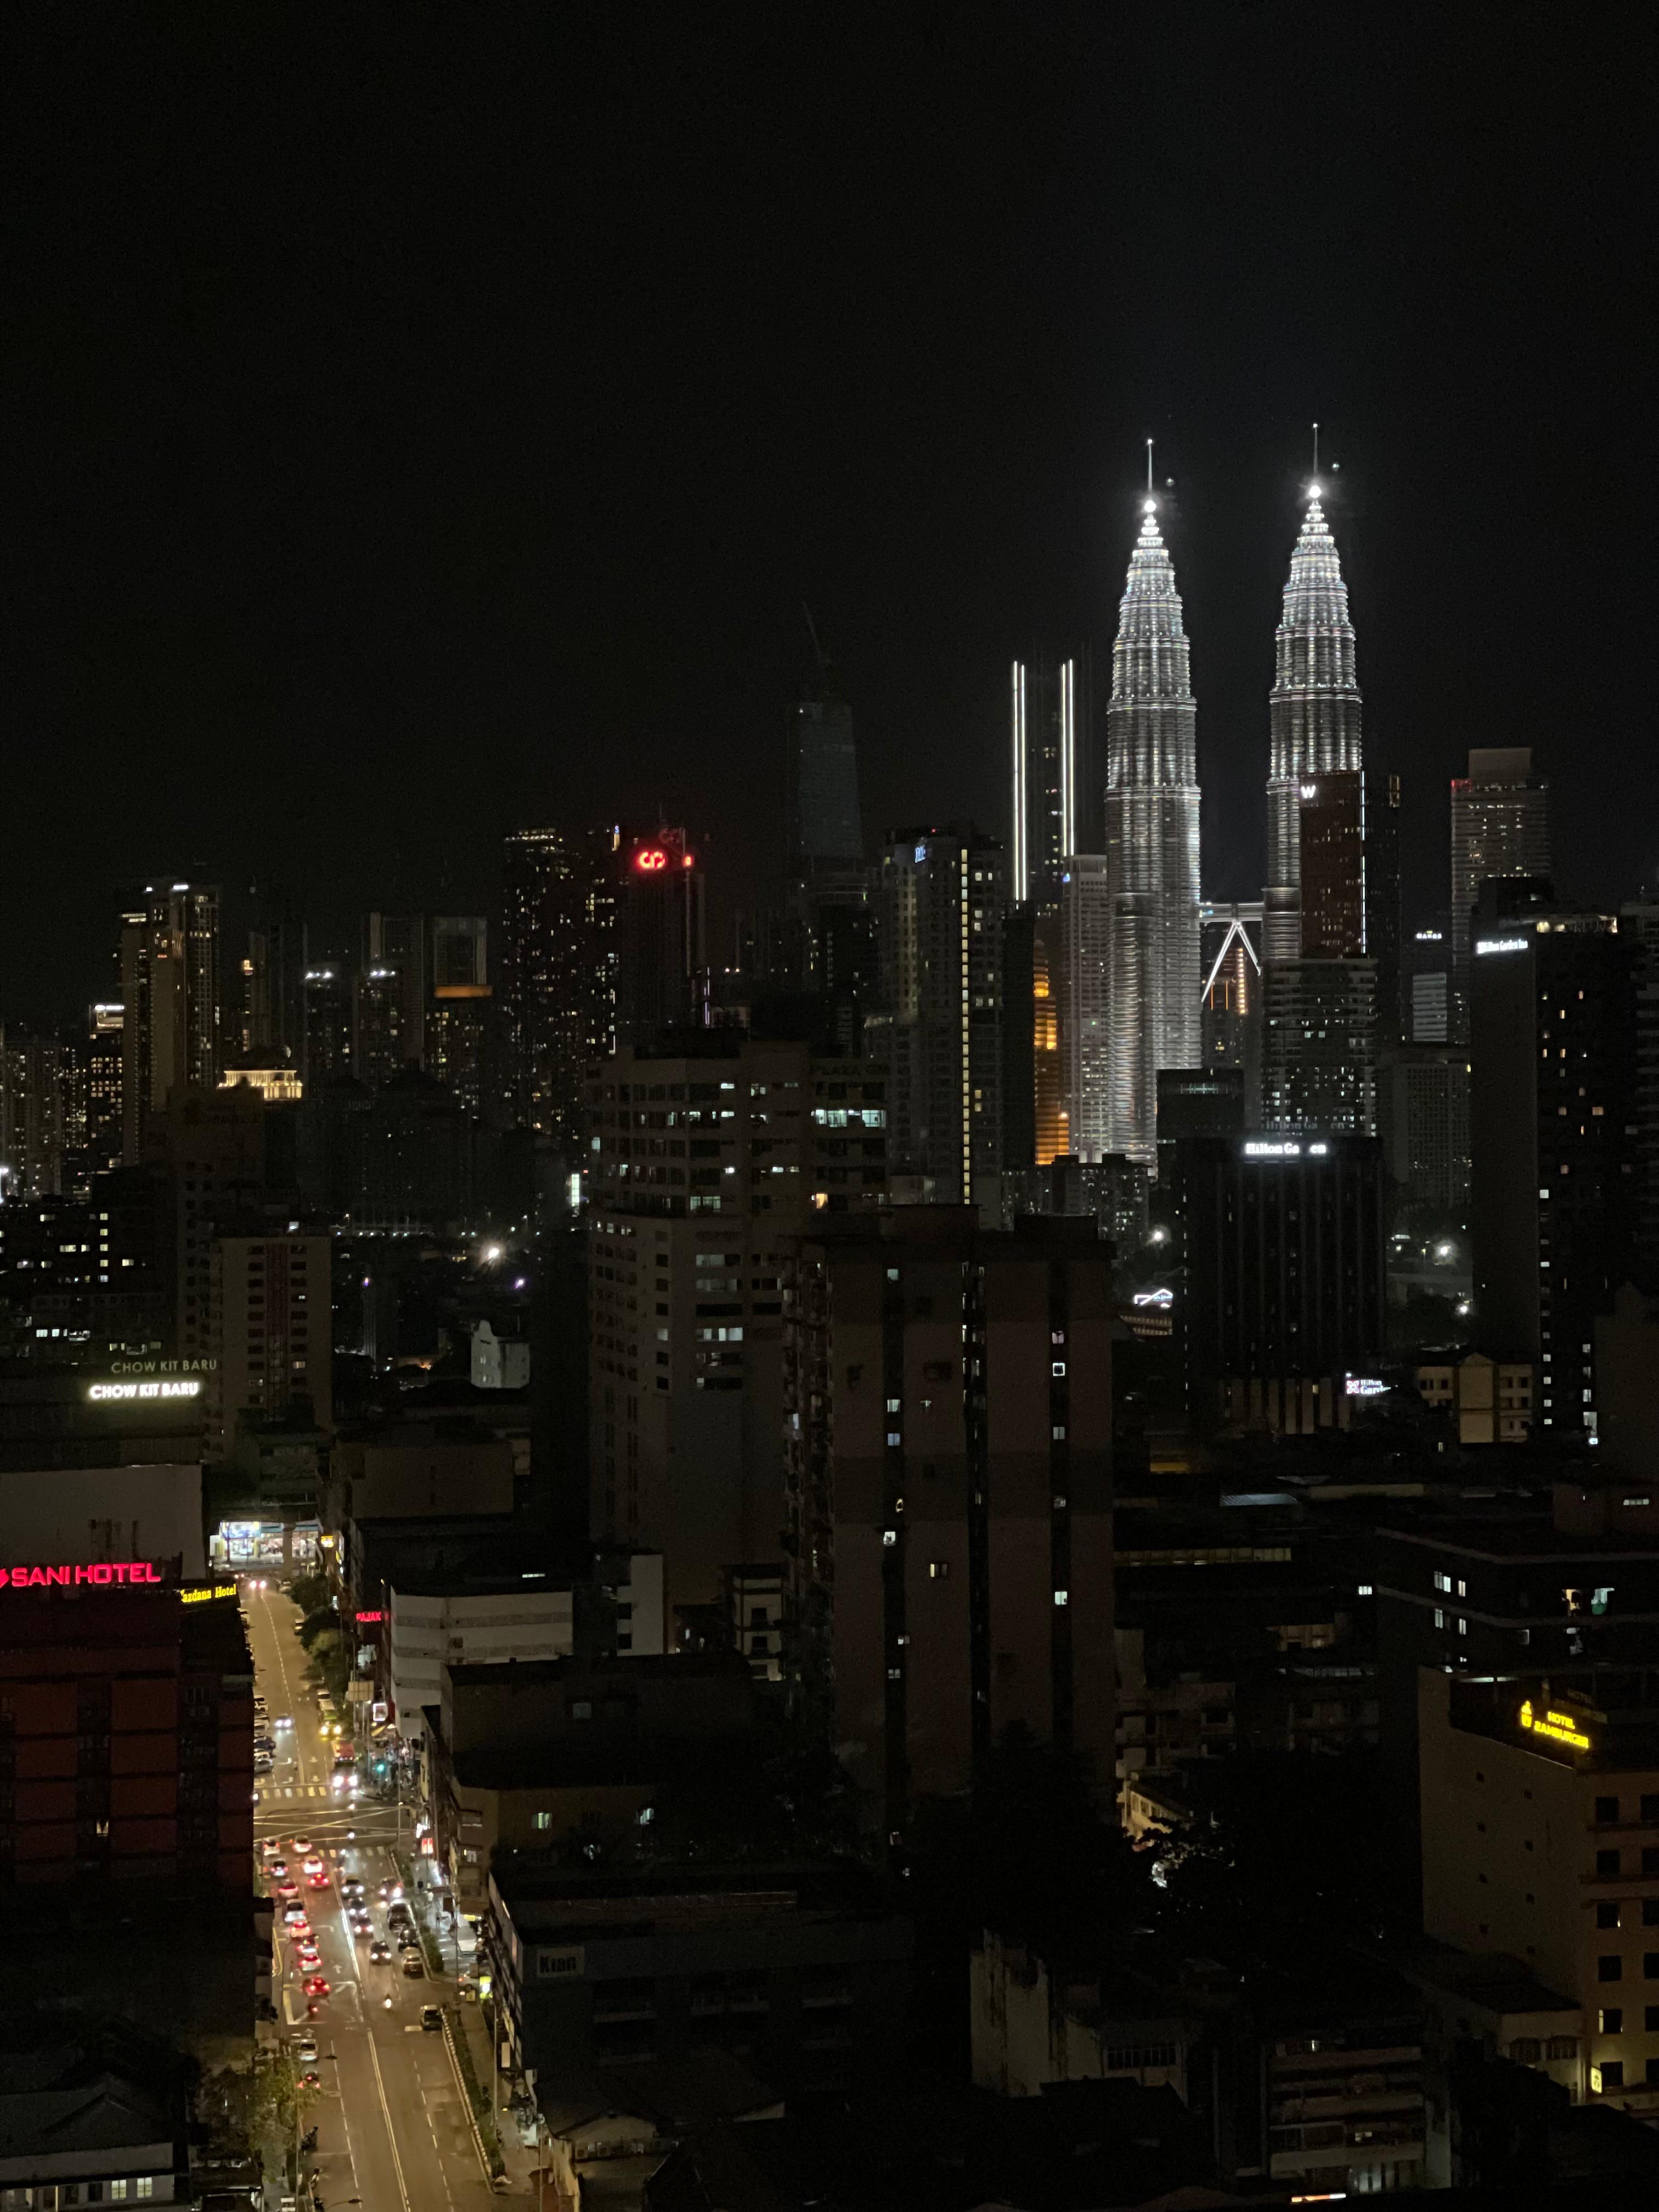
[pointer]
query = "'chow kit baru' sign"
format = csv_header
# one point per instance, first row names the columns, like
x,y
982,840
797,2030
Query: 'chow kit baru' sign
x,y
101,1574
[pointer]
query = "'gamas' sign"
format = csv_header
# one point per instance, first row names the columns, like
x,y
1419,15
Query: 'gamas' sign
x,y
102,1574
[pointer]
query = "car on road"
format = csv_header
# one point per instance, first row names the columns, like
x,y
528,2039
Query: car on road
x,y
431,2018
399,1916
413,1967
278,1865
294,1916
302,1846
318,1881
314,1861
310,2079
407,1939
380,1949
352,1887
270,1848
305,2049
316,1986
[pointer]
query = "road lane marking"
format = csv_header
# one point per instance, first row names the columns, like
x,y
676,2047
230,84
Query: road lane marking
x,y
386,2114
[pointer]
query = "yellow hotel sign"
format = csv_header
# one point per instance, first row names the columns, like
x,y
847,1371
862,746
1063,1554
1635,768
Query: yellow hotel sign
x,y
1559,1728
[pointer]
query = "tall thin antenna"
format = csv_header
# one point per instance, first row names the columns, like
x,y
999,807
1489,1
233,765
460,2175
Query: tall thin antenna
x,y
1149,464
1315,449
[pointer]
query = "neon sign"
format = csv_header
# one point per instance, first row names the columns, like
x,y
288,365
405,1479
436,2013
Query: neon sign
x,y
1502,945
207,1591
370,1616
1365,1386
1560,1728
102,1574
652,861
101,1393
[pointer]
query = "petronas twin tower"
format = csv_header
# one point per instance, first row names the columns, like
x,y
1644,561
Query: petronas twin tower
x,y
1153,977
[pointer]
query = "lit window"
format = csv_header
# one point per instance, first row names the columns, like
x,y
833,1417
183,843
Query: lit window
x,y
1062,1597
543,1819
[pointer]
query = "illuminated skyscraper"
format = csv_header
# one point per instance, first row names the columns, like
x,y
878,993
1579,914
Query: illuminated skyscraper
x,y
1151,845
1315,704
559,963
170,995
1500,828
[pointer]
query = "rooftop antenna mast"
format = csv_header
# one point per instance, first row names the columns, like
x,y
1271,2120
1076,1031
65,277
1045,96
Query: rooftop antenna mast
x,y
1315,429
1149,464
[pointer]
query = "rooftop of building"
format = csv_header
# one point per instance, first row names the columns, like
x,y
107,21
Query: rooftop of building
x,y
1494,1981
626,1669
1597,1719
543,1900
1514,1533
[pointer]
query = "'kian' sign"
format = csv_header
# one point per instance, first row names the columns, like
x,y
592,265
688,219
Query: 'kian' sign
x,y
102,1574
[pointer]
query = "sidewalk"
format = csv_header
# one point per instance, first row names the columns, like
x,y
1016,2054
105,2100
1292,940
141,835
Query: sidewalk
x,y
521,2162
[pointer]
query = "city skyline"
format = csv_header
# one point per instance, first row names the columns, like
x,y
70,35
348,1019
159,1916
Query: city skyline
x,y
263,515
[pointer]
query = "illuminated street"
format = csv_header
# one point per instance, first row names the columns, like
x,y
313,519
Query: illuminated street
x,y
391,2127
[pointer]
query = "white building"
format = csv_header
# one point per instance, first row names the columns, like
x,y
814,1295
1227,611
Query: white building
x,y
499,1362
534,1618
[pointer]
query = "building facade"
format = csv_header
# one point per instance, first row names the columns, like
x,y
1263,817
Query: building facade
x,y
937,1035
1500,827
704,1168
273,1353
948,1419
170,1001
1285,1288
1319,1046
1553,1155
559,974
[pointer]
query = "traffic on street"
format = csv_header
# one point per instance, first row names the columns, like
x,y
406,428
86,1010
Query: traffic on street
x,y
359,2009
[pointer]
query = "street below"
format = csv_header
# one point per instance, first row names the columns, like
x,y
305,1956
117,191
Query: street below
x,y
392,2131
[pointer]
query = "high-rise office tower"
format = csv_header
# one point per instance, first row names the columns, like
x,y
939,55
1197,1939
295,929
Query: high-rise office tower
x,y
661,945
1552,1166
105,1027
1314,709
937,1029
706,1165
1230,1013
1151,845
272,1326
272,1012
1500,828
1425,982
170,1000
559,972
458,1016
1086,907
829,933
1638,921
1319,1047
1285,1248
42,1115
1049,749
949,1509
380,1039
825,829
328,1023
1049,759
395,945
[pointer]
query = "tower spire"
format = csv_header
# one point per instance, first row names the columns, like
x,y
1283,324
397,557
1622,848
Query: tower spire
x,y
1152,844
1315,707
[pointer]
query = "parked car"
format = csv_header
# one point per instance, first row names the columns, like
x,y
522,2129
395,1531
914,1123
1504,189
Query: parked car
x,y
413,1967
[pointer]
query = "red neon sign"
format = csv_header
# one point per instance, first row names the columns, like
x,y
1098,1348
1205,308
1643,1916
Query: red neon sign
x,y
370,1616
101,1574
651,860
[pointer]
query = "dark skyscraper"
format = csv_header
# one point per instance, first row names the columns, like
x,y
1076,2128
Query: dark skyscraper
x,y
825,832
170,999
559,961
661,949
1553,1164
938,1027
328,1022
1500,828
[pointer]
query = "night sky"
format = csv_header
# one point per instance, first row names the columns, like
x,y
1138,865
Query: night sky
x,y
430,424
